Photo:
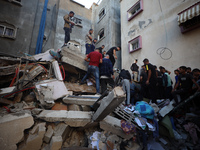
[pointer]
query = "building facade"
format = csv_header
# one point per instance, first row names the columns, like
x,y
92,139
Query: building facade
x,y
106,24
154,30
20,23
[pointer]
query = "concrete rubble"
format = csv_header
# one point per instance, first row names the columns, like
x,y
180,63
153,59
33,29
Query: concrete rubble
x,y
42,106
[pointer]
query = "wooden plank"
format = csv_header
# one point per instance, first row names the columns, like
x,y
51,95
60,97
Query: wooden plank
x,y
7,70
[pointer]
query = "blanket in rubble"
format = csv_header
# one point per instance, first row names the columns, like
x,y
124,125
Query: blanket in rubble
x,y
127,127
145,109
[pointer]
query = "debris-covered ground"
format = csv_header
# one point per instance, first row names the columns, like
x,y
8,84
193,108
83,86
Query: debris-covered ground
x,y
42,106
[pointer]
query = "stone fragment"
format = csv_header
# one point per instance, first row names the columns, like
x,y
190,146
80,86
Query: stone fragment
x,y
12,128
56,143
35,138
109,103
113,125
48,134
56,70
71,118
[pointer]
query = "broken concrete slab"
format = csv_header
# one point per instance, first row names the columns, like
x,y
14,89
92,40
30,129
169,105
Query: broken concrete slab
x,y
7,90
48,134
71,118
113,125
74,58
80,88
109,103
50,90
59,87
12,128
80,100
30,75
56,70
35,138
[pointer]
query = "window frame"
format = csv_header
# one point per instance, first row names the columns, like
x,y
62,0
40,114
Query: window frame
x,y
140,2
7,36
103,9
100,31
131,42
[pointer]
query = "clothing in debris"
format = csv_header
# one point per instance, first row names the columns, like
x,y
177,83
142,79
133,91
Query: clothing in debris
x,y
192,129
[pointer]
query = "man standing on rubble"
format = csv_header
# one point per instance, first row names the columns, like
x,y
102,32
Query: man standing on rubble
x,y
68,26
106,71
88,41
151,80
94,59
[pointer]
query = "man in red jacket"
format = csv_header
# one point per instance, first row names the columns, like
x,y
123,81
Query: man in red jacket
x,y
94,58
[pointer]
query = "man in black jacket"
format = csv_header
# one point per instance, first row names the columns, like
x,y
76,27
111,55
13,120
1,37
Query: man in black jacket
x,y
126,79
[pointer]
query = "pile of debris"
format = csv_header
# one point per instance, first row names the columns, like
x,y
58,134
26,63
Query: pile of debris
x,y
42,106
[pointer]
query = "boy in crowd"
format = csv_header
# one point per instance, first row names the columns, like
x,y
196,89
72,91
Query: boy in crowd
x,y
167,83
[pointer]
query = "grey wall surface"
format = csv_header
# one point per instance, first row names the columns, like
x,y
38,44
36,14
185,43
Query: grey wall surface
x,y
22,17
78,33
111,24
27,19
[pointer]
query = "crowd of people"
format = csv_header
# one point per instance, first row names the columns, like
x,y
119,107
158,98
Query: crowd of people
x,y
150,82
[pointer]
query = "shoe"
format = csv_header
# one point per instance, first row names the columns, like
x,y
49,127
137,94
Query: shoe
x,y
64,45
98,94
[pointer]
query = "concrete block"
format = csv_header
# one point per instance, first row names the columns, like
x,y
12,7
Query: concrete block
x,y
74,58
113,125
62,130
79,100
12,128
35,138
109,103
48,134
56,143
71,118
6,90
74,107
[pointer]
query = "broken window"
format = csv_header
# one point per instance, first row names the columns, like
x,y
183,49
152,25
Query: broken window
x,y
101,34
135,10
102,13
135,44
77,21
8,32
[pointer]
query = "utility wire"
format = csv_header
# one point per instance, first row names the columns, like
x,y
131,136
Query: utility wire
x,y
162,50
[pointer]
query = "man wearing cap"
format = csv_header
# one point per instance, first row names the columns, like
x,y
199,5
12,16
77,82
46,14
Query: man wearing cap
x,y
67,26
